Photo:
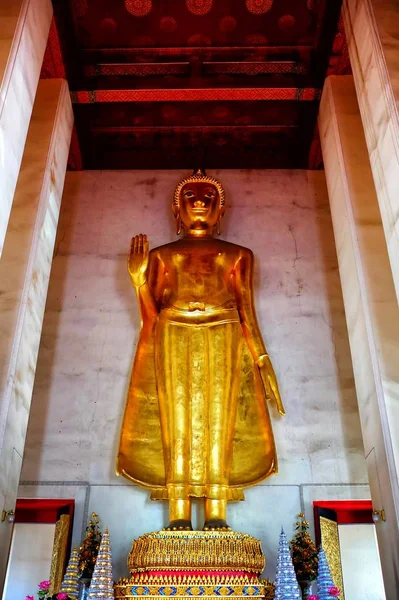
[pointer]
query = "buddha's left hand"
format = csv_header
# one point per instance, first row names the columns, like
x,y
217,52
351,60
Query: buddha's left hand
x,y
269,381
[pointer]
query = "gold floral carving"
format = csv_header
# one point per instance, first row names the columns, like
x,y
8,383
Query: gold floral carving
x,y
199,7
138,8
188,587
196,550
59,553
259,7
330,543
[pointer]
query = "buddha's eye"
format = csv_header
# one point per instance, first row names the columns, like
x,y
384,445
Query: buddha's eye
x,y
189,194
210,194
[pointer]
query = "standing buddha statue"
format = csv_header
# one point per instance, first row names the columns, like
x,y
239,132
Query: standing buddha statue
x,y
196,422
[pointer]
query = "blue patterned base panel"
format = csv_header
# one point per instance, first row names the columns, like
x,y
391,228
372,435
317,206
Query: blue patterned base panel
x,y
181,590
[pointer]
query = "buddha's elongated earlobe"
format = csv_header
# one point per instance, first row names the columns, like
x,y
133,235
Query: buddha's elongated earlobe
x,y
178,223
218,230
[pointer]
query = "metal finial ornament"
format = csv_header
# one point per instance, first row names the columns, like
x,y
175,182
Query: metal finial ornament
x,y
102,583
287,587
70,584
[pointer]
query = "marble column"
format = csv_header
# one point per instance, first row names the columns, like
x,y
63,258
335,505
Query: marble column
x,y
371,308
24,274
24,27
371,28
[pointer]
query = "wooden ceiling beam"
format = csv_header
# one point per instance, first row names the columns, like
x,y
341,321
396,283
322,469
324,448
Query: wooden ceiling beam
x,y
197,95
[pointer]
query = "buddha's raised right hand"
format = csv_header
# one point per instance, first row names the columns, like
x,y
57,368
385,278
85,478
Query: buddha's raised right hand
x,y
138,260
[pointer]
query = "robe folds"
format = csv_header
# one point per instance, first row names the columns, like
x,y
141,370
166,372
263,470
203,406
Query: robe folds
x,y
193,365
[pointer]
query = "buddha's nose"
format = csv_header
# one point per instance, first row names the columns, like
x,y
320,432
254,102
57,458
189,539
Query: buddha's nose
x,y
199,204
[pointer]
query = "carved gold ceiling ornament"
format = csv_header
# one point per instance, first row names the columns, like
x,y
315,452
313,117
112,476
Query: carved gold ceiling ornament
x,y
108,25
227,24
199,7
80,8
256,39
198,40
168,24
259,7
286,22
138,8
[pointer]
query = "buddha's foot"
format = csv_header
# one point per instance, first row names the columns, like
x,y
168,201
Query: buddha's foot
x,y
216,525
179,525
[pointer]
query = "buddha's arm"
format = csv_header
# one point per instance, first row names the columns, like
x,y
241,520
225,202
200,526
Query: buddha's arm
x,y
148,293
147,305
243,291
145,276
243,274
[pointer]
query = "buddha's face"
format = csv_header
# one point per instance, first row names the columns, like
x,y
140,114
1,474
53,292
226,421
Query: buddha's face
x,y
199,205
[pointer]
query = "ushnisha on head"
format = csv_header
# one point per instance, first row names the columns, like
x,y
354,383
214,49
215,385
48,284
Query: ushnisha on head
x,y
198,204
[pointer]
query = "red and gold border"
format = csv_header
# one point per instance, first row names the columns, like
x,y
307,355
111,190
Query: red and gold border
x,y
195,95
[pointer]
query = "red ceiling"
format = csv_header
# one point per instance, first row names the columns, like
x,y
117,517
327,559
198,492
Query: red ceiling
x,y
177,83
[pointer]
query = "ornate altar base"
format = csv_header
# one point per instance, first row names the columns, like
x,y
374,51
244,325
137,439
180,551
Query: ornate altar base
x,y
193,564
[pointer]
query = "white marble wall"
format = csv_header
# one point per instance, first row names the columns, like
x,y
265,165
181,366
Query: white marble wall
x,y
26,568
24,27
24,275
370,303
90,333
371,28
128,511
361,566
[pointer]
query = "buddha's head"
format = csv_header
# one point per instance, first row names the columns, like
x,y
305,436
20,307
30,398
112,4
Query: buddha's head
x,y
198,203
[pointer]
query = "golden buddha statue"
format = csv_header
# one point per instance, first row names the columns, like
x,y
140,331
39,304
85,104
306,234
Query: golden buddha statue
x,y
196,422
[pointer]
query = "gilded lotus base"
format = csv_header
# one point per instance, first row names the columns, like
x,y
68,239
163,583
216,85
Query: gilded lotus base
x,y
187,564
196,550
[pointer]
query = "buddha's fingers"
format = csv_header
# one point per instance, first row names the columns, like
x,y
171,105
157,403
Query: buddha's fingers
x,y
274,390
146,248
277,399
280,406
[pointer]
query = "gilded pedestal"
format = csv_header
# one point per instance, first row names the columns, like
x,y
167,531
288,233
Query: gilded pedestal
x,y
187,564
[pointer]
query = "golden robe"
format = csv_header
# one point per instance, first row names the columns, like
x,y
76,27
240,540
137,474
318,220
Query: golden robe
x,y
185,362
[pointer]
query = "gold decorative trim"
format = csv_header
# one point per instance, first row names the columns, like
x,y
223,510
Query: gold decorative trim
x,y
330,543
196,550
206,586
59,553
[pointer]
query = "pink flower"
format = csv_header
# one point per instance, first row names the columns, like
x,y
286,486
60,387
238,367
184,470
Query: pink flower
x,y
44,585
62,596
333,591
29,598
313,597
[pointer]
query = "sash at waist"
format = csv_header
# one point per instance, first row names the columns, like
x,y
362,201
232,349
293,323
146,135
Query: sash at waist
x,y
205,315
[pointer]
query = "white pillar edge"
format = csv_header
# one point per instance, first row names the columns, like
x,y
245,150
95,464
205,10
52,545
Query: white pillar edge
x,y
384,492
381,126
17,94
17,392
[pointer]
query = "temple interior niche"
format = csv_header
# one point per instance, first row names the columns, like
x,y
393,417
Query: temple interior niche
x,y
252,92
91,326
